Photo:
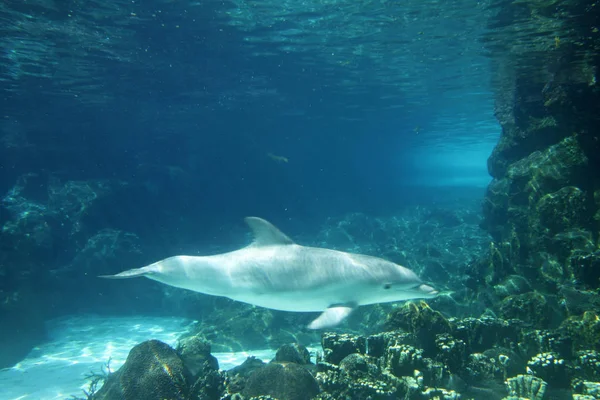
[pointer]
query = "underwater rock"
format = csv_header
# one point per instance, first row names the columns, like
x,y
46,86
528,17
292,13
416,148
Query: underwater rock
x,y
337,346
578,300
441,394
153,370
295,353
355,364
420,320
195,353
451,352
529,307
378,343
510,362
562,211
247,367
483,333
495,208
238,376
591,389
585,266
537,341
403,360
107,250
550,368
586,388
481,368
288,381
587,365
547,171
31,233
546,164
355,382
584,397
391,369
584,331
512,285
527,387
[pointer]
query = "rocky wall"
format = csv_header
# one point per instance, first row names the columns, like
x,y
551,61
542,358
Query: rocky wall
x,y
543,206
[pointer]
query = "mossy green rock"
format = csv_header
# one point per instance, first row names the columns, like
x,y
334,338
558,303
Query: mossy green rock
x,y
195,353
295,353
153,371
530,307
420,320
288,381
583,330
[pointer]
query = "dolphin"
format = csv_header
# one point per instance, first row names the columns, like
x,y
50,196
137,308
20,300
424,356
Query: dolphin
x,y
276,273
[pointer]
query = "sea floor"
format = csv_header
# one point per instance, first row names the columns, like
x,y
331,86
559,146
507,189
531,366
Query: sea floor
x,y
79,345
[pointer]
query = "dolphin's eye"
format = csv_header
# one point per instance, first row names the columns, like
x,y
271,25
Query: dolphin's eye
x,y
387,286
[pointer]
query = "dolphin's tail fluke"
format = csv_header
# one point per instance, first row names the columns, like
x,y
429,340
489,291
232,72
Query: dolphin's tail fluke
x,y
130,273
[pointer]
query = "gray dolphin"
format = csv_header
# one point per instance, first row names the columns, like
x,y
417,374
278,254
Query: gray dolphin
x,y
274,272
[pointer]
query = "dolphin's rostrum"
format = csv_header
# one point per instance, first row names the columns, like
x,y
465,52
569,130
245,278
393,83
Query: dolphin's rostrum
x,y
274,272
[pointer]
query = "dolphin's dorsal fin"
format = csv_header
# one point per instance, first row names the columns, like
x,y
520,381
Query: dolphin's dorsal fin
x,y
265,233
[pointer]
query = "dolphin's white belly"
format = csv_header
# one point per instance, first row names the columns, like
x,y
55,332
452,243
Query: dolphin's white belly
x,y
293,278
301,300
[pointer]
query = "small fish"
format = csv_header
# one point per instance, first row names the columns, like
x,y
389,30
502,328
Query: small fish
x,y
279,159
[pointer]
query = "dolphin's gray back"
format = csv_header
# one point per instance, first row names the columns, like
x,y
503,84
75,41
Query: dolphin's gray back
x,y
283,268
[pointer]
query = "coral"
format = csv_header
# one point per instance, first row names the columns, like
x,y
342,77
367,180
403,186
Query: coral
x,y
545,341
441,394
377,344
481,368
550,368
338,383
450,351
483,333
337,346
527,386
586,388
587,365
403,360
583,397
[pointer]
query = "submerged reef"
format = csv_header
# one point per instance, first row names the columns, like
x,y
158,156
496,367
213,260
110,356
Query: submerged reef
x,y
462,358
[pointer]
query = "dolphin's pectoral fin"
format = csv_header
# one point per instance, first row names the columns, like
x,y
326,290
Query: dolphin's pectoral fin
x,y
265,234
331,317
130,273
